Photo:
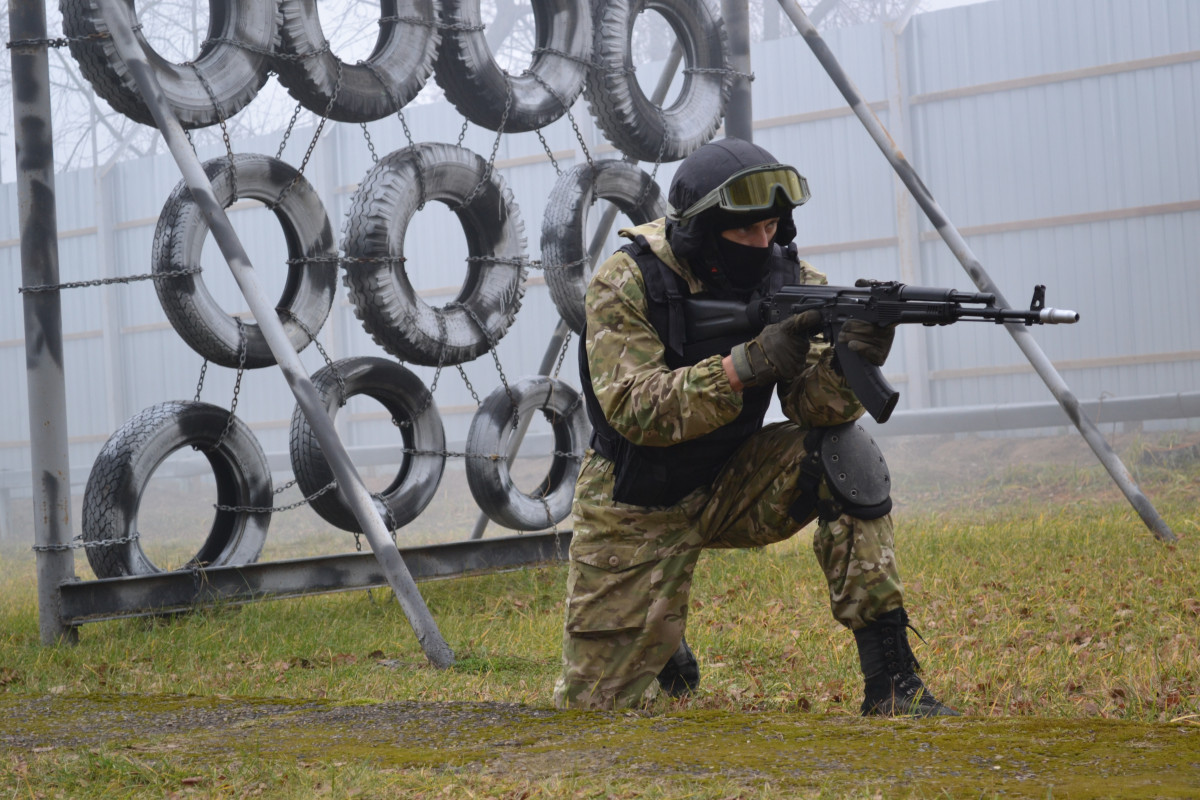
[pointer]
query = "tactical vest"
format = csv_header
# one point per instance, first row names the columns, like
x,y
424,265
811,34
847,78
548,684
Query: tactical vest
x,y
662,476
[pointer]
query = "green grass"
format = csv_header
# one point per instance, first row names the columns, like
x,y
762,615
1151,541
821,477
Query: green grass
x,y
1048,611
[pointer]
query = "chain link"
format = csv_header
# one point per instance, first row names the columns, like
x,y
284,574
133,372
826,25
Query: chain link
x,y
200,383
337,87
370,144
63,41
216,104
312,337
78,544
562,354
237,384
150,276
487,172
329,487
287,132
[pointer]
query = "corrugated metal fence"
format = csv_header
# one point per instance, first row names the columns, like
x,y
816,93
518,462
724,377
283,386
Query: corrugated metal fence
x,y
1061,136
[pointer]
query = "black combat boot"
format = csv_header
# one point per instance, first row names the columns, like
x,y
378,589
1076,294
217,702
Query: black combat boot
x,y
681,675
890,668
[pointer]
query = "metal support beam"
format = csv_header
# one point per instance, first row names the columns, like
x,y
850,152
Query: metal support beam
x,y
118,19
49,463
914,338
739,112
184,590
962,251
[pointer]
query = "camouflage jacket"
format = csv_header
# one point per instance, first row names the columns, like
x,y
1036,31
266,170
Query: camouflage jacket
x,y
651,404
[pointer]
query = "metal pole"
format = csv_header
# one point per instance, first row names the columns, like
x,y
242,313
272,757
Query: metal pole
x,y
915,337
117,17
962,251
47,392
602,230
739,113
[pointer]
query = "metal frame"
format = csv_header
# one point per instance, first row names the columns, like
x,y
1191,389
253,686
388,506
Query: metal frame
x,y
975,270
65,603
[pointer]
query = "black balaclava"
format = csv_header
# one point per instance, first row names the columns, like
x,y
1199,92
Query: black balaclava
x,y
725,267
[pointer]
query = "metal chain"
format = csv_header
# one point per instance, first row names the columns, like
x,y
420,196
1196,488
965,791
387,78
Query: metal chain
x,y
662,147
329,487
496,358
718,71
150,276
312,337
200,383
562,353
487,172
216,104
77,544
263,51
566,107
63,41
287,132
370,144
407,133
237,384
337,87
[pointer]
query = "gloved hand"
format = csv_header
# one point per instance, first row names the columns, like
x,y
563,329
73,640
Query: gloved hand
x,y
871,342
780,351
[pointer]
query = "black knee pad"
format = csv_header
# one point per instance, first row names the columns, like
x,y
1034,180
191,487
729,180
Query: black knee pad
x,y
852,466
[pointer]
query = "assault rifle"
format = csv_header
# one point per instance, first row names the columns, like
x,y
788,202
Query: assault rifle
x,y
876,302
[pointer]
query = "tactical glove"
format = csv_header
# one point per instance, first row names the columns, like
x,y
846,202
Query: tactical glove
x,y
871,342
780,351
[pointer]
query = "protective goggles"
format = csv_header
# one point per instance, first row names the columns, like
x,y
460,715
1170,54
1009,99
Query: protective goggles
x,y
752,189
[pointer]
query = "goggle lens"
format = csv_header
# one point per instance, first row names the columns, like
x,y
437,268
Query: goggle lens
x,y
756,190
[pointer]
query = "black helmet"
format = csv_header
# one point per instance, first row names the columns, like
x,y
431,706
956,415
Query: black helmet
x,y
727,184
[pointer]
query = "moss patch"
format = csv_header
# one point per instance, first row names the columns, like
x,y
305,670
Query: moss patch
x,y
763,753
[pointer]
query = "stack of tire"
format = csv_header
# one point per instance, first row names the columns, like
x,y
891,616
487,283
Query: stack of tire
x,y
583,49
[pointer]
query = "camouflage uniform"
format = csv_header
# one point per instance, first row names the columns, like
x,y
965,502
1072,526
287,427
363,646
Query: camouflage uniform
x,y
630,566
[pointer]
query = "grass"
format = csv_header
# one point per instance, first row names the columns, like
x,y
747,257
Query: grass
x,y
1049,615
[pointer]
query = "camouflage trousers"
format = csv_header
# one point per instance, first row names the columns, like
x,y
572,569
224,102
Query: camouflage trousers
x,y
631,567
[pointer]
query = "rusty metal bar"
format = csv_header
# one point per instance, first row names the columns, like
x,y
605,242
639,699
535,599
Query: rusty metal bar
x,y
50,467
117,17
962,251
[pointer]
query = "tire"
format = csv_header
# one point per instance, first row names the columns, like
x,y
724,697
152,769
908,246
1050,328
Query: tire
x,y
630,121
397,69
408,401
233,61
123,468
481,91
383,297
564,225
308,293
488,475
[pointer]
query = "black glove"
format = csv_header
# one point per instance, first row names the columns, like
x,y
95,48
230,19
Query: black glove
x,y
780,351
871,342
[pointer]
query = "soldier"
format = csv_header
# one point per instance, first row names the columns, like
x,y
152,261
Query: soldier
x,y
680,459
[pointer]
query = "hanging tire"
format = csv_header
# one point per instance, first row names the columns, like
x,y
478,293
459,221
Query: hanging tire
x,y
490,97
123,468
411,405
397,69
220,81
487,446
631,122
564,225
308,292
377,277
